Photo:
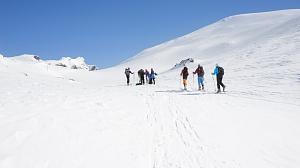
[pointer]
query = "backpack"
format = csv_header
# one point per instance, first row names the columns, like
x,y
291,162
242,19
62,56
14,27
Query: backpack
x,y
127,71
201,71
221,70
185,73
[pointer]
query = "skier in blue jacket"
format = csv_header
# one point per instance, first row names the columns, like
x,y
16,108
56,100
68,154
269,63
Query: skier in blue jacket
x,y
219,72
152,77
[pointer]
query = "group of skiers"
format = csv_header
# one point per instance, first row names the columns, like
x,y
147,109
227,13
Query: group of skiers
x,y
150,76
218,71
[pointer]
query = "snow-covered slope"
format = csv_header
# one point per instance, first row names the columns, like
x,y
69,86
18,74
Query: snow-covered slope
x,y
222,39
260,52
57,117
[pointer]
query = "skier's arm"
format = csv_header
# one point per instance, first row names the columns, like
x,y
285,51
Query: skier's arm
x,y
215,71
196,71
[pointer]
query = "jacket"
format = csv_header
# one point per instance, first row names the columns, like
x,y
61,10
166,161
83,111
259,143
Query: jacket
x,y
184,73
199,71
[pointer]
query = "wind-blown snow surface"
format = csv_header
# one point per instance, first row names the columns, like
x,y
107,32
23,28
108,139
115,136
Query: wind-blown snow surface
x,y
54,117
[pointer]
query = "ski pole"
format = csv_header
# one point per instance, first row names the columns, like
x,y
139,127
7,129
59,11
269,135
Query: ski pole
x,y
190,85
214,81
134,77
179,81
193,81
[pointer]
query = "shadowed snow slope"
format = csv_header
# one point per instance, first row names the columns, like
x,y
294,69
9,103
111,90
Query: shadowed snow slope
x,y
56,117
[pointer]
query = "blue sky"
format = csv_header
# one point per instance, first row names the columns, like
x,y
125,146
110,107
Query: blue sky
x,y
107,32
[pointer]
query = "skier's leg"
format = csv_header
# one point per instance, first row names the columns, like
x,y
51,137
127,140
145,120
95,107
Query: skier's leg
x,y
143,80
221,83
185,84
218,83
199,83
202,82
127,77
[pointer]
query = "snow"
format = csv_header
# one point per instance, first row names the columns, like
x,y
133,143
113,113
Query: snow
x,y
53,116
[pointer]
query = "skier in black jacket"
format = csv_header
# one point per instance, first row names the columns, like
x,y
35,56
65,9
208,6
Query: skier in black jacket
x,y
219,72
141,74
127,73
184,73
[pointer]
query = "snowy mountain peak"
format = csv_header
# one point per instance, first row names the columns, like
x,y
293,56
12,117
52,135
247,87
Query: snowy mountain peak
x,y
66,62
73,63
26,58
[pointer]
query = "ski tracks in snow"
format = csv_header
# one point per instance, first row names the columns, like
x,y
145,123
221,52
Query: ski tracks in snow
x,y
176,143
